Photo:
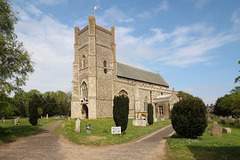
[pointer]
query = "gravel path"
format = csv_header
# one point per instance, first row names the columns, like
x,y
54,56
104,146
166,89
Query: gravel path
x,y
44,146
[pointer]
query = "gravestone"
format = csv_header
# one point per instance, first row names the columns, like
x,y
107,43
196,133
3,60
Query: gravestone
x,y
15,121
216,130
41,117
18,120
220,117
77,125
233,119
155,119
162,119
139,122
222,121
215,122
230,117
47,116
3,120
69,118
209,119
226,130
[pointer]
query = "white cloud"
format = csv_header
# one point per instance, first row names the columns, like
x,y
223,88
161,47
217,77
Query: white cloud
x,y
114,14
51,45
201,3
144,15
236,19
51,2
163,6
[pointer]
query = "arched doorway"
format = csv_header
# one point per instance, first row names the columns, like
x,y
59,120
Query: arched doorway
x,y
84,111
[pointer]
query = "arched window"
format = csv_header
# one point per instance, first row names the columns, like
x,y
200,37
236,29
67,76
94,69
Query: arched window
x,y
83,62
84,90
104,64
123,92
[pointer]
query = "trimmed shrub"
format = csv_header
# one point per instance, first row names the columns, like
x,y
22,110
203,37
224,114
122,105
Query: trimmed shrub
x,y
120,111
188,117
150,114
33,109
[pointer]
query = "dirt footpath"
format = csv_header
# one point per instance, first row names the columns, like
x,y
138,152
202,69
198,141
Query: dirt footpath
x,y
44,146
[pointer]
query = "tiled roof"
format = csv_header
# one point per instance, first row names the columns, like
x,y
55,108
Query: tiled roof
x,y
134,73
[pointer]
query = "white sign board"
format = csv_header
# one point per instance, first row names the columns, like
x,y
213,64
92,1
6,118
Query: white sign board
x,y
116,130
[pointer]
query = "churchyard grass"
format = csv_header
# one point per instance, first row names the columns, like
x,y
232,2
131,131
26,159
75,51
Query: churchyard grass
x,y
9,131
101,131
206,146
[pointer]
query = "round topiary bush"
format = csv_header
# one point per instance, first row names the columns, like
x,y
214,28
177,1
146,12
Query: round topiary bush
x,y
188,117
120,111
150,114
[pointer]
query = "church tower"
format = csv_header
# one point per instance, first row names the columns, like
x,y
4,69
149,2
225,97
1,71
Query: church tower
x,y
94,69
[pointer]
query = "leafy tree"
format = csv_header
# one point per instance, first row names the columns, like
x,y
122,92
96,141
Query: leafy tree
x,y
15,62
21,103
33,109
120,111
150,114
238,78
183,95
188,117
228,105
7,108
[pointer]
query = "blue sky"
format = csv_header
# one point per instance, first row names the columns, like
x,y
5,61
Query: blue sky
x,y
194,44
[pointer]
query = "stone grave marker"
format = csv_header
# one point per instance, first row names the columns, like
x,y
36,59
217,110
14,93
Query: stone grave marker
x,y
226,130
47,116
215,122
162,119
77,125
69,118
230,117
233,119
216,130
3,120
209,119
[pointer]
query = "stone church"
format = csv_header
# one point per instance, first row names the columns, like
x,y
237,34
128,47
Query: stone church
x,y
98,77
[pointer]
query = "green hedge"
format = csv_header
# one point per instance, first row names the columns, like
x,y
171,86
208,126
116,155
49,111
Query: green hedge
x,y
150,114
120,111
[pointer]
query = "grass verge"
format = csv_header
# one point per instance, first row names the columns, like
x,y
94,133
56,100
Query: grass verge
x,y
9,131
206,146
101,131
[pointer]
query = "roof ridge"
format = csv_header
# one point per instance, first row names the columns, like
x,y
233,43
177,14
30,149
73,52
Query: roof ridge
x,y
139,68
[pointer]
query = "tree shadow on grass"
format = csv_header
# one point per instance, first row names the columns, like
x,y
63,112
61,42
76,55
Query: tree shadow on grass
x,y
215,153
8,134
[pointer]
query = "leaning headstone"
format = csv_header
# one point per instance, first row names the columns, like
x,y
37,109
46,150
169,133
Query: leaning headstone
x,y
226,130
236,123
230,117
69,118
41,117
47,116
3,120
15,121
233,119
77,125
209,119
216,130
155,119
222,121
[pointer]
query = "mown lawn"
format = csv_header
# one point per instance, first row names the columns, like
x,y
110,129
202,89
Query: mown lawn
x,y
206,147
101,131
9,131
